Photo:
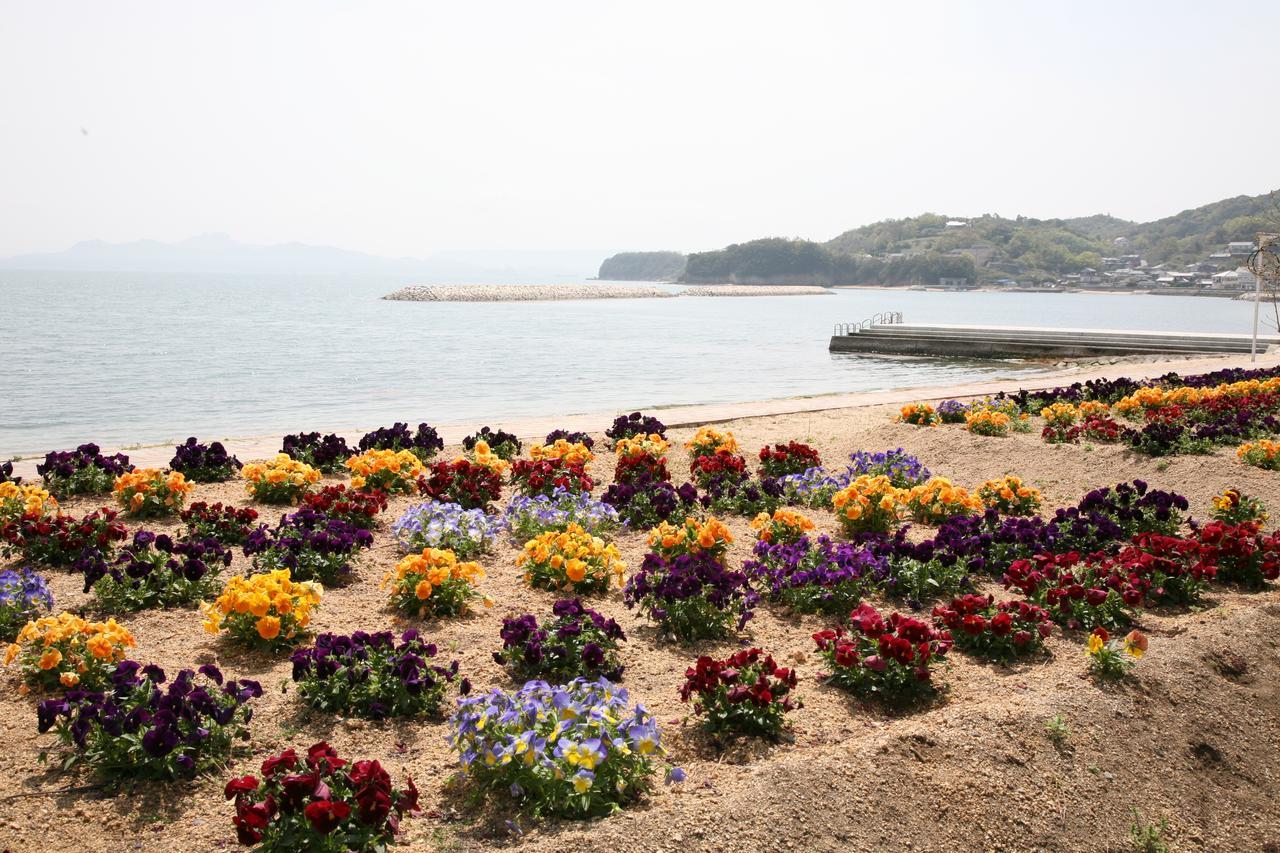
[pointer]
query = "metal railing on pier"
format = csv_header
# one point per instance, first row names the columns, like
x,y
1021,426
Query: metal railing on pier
x,y
884,318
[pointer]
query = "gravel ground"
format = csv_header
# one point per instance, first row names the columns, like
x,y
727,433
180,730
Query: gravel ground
x,y
1190,739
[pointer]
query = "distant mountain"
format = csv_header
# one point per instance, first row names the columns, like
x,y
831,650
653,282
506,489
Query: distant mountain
x,y
930,246
219,253
643,266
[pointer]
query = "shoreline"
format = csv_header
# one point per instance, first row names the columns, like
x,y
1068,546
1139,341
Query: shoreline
x,y
250,447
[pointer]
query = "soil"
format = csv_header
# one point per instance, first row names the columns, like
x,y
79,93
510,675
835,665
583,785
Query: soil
x,y
1190,739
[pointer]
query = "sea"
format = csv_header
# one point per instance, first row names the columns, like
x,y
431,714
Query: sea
x,y
128,359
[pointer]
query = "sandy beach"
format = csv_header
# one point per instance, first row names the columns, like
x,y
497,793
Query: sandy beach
x,y
976,770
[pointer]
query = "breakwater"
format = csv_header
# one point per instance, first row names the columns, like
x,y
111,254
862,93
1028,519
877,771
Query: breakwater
x,y
559,292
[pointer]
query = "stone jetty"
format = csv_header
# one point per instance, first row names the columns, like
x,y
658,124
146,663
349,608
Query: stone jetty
x,y
756,290
556,292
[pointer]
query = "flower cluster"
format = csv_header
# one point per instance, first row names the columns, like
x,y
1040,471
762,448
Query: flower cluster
x,y
373,676
6,473
1240,553
527,517
150,492
1010,496
641,459
649,501
1234,506
885,659
746,693
1132,507
938,499
432,524
204,463
83,471
23,594
692,536
919,414
902,469
1262,453
1172,570
59,540
310,545
268,611
1081,595
952,411
819,576
721,465
533,477
572,437
575,750
790,458
389,471
68,651
870,504
783,527
483,456
642,444
734,495
228,524
1111,659
576,643
571,559
154,571
433,583
708,441
987,422
357,507
282,480
501,443
136,728
1060,423
1001,632
815,487
627,426
691,596
17,500
568,452
324,804
327,455
424,442
463,482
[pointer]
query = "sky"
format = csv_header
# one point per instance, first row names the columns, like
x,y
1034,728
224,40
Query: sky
x,y
403,129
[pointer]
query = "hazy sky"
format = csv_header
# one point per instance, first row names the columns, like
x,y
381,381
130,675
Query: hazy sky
x,y
402,129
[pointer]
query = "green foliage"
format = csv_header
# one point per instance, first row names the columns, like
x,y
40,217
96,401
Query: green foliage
x,y
643,266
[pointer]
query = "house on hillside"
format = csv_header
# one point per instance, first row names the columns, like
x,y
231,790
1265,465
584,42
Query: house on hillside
x,y
957,223
1237,279
1240,248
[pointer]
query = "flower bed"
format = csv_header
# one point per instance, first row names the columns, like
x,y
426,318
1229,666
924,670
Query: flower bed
x,y
17,500
790,458
996,631
424,442
463,482
576,642
154,571
267,612
357,507
1263,454
311,546
870,504
648,502
568,452
1078,595
433,584
886,659
952,411
23,595
483,456
902,469
1010,496
532,477
326,454
629,426
582,438
527,517
83,471
576,751
813,488
819,576
722,464
373,676
733,495
919,414
65,650
325,805
151,493
204,463
783,527
987,422
281,480
1240,554
571,560
708,441
432,524
747,693
1060,423
691,596
138,729
935,501
1172,570
1132,507
393,472
59,540
502,444
228,524
692,536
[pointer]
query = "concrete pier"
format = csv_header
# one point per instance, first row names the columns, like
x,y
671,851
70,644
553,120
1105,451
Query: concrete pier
x,y
1032,342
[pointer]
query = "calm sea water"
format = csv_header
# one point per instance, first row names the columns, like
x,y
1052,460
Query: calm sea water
x,y
128,358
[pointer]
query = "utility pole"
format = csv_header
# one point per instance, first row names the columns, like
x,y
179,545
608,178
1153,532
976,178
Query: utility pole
x,y
1263,263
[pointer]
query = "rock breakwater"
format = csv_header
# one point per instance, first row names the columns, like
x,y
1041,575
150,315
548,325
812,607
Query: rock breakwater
x,y
558,292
